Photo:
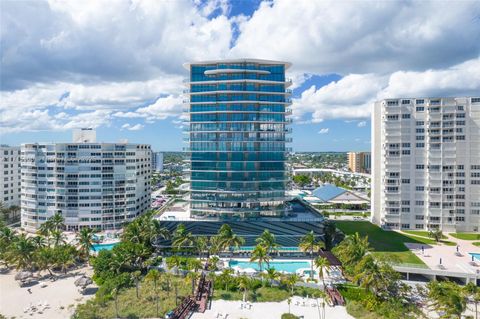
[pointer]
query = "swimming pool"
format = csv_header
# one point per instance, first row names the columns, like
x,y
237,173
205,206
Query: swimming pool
x,y
98,247
475,255
288,266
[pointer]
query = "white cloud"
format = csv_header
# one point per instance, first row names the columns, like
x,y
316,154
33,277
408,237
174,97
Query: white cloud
x,y
135,127
352,97
323,131
362,124
362,37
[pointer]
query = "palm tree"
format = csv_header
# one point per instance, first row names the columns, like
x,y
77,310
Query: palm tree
x,y
309,244
272,275
57,222
85,240
226,277
352,249
268,240
22,252
369,274
201,244
447,297
39,242
322,264
330,234
436,234
260,255
44,258
136,276
64,256
58,238
192,276
291,280
182,238
154,275
227,239
194,264
244,284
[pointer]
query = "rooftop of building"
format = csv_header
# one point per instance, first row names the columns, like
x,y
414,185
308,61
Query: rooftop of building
x,y
243,60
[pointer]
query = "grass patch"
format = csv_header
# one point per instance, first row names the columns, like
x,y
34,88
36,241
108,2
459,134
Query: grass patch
x,y
466,236
266,294
422,233
477,243
384,242
289,316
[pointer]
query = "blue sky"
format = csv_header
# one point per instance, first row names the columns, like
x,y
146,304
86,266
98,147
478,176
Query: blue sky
x,y
75,64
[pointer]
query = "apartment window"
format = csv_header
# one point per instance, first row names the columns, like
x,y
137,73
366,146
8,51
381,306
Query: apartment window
x,y
405,202
392,103
419,226
460,108
460,219
420,130
419,217
420,166
405,152
475,167
475,99
419,188
405,181
420,109
405,102
392,117
460,137
420,145
460,122
406,226
405,116
460,115
419,123
419,101
405,209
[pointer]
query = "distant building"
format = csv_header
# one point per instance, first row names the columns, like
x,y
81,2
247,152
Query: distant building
x,y
10,175
157,161
426,163
98,185
359,162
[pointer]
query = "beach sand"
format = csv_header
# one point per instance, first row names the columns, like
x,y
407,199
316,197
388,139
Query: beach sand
x,y
271,310
60,293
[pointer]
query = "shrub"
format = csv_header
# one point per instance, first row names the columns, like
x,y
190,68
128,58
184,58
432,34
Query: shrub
x,y
289,316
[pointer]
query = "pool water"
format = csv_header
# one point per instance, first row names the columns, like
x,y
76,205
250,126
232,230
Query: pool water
x,y
98,247
288,266
475,255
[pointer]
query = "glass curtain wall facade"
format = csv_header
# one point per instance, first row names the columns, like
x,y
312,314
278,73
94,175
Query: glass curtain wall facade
x,y
237,134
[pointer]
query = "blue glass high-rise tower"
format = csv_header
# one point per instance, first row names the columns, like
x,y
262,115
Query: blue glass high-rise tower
x,y
237,131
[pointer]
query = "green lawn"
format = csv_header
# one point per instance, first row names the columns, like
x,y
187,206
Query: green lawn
x,y
422,233
466,236
385,242
477,243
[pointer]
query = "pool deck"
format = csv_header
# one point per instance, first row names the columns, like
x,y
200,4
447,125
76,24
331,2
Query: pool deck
x,y
450,260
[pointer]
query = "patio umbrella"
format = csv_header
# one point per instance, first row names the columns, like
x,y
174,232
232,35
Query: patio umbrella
x,y
83,281
23,275
249,271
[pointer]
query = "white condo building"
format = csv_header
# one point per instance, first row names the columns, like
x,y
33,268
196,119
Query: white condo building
x,y
10,175
157,161
99,185
426,163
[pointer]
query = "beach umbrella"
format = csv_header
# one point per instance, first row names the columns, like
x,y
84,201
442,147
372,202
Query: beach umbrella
x,y
249,271
83,281
23,275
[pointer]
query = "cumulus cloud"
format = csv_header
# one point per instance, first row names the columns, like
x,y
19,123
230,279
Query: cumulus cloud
x,y
79,63
362,37
323,131
135,127
353,96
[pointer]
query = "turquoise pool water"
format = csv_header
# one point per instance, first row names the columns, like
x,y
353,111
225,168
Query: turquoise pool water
x,y
475,255
98,247
288,266
251,248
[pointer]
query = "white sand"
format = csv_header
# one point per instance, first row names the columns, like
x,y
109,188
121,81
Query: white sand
x,y
271,310
60,293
